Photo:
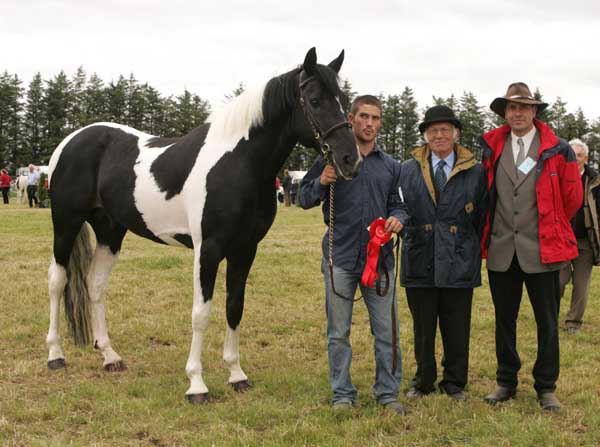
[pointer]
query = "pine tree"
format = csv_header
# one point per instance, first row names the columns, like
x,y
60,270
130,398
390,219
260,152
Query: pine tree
x,y
350,96
544,115
76,116
135,103
472,120
184,114
56,105
117,101
409,119
95,101
34,123
557,114
155,115
11,106
389,133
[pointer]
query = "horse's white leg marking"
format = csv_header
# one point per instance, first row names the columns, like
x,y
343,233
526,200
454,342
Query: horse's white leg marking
x,y
57,279
97,281
231,355
200,318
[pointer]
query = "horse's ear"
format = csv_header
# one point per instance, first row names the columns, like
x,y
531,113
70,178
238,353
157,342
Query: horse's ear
x,y
336,64
310,61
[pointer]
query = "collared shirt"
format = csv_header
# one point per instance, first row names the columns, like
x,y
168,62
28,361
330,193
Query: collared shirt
x,y
371,194
33,178
527,139
449,163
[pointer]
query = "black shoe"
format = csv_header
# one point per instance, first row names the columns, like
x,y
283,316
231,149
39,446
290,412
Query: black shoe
x,y
414,393
500,394
549,401
459,396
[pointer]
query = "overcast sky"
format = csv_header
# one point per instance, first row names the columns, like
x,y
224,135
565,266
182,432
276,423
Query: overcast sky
x,y
435,47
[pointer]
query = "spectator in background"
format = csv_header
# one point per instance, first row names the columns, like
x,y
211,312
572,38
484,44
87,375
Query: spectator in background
x,y
294,192
5,185
277,186
33,179
585,227
287,187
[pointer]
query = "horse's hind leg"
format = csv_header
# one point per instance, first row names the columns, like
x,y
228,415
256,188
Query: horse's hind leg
x,y
57,280
64,238
109,239
238,267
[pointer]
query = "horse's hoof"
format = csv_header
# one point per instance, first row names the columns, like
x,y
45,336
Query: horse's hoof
x,y
197,399
115,367
57,364
241,387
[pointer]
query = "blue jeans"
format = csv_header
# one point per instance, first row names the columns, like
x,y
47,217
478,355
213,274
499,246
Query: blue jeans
x,y
339,321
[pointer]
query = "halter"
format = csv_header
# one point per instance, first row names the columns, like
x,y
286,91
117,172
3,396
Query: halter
x,y
318,133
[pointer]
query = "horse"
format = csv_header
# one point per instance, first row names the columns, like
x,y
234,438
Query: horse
x,y
21,187
211,190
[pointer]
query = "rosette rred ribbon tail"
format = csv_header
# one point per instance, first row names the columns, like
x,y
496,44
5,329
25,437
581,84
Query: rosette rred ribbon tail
x,y
378,238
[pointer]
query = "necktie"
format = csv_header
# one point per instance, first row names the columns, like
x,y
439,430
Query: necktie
x,y
439,179
521,155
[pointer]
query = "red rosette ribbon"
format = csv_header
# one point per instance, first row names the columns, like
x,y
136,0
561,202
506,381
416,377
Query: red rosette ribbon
x,y
379,237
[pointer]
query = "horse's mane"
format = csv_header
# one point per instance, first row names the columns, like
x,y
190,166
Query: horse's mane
x,y
263,105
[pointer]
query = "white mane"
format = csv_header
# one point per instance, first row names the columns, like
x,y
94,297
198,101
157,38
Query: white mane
x,y
235,119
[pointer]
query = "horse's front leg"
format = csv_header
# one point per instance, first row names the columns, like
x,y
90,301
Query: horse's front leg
x,y
97,282
205,272
238,267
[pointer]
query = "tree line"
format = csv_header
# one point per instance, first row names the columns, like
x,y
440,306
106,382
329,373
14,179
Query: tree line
x,y
35,119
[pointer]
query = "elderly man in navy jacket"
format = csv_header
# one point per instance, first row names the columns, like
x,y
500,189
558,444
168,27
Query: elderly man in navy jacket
x,y
444,190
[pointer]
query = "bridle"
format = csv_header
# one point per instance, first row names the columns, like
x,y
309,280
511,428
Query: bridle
x,y
318,133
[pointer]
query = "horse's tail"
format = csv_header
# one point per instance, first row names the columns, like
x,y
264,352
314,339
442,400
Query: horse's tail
x,y
77,298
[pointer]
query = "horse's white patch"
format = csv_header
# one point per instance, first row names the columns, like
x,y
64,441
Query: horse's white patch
x,y
58,151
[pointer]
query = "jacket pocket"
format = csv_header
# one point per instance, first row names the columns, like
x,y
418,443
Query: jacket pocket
x,y
417,254
466,257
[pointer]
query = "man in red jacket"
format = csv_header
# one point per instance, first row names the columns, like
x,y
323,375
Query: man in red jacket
x,y
534,190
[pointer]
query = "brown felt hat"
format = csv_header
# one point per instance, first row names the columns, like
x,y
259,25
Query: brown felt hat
x,y
517,92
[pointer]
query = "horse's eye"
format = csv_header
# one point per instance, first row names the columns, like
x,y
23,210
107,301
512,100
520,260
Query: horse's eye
x,y
314,102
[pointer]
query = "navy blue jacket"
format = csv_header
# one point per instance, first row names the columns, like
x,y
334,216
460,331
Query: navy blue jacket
x,y
440,246
371,194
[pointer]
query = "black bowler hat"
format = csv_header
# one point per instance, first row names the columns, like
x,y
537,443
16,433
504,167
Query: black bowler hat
x,y
439,114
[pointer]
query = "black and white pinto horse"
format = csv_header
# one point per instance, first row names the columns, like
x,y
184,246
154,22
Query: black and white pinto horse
x,y
211,190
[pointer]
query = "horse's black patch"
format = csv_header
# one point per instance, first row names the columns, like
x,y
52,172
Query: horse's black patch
x,y
184,239
172,167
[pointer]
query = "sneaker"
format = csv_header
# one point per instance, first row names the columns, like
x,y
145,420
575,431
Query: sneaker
x,y
342,406
572,330
396,407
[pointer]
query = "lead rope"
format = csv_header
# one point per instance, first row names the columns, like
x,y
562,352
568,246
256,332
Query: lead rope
x,y
331,194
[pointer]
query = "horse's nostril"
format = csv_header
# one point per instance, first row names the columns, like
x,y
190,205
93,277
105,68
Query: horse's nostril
x,y
347,160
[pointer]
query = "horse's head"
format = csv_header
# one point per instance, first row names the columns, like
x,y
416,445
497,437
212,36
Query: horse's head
x,y
323,124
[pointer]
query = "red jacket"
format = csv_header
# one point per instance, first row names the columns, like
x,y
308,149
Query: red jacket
x,y
5,181
558,189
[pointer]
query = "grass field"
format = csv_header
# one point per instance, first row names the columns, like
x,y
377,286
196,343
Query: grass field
x,y
283,351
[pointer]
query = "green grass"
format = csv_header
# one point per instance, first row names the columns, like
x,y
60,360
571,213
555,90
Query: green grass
x,y
283,351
